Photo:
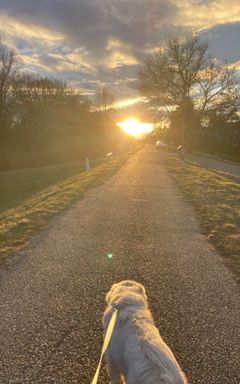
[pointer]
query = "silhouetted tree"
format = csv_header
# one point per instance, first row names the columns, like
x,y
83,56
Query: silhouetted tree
x,y
104,98
9,66
184,74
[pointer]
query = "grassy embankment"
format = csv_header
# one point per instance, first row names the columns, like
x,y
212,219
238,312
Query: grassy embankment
x,y
216,199
30,198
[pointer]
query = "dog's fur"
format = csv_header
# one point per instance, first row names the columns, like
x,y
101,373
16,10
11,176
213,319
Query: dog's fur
x,y
136,353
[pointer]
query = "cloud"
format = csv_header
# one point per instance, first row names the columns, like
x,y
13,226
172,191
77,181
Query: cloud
x,y
202,15
30,33
105,41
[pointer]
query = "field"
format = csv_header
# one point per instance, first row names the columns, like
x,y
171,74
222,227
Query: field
x,y
18,185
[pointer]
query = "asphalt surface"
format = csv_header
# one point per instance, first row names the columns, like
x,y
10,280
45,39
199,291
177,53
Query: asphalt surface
x,y
219,165
52,294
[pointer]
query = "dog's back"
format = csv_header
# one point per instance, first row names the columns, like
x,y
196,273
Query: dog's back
x,y
136,350
140,354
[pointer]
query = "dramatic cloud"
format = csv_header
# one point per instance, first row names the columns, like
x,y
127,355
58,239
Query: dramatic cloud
x,y
89,42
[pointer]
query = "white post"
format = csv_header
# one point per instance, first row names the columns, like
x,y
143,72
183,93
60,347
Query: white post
x,y
87,164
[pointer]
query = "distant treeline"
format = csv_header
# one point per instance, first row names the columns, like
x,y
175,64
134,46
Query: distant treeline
x,y
44,121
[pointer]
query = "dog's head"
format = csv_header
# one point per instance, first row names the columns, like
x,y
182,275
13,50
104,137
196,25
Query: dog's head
x,y
126,292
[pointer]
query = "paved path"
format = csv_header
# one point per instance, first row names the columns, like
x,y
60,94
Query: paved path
x,y
210,162
52,297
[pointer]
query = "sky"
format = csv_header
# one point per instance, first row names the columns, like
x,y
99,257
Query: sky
x,y
90,43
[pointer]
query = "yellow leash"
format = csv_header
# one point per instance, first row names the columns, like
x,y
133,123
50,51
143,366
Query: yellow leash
x,y
105,343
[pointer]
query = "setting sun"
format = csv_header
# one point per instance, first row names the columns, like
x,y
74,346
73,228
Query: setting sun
x,y
133,127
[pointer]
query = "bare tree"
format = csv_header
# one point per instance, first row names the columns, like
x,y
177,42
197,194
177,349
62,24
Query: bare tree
x,y
41,102
218,92
36,97
104,98
9,66
184,74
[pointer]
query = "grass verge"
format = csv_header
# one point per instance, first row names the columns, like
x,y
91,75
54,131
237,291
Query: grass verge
x,y
217,203
18,185
18,224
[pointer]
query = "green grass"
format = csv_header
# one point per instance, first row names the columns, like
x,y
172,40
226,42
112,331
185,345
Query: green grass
x,y
32,211
20,184
216,199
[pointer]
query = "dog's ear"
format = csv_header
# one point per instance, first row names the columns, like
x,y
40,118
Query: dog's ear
x,y
141,289
109,294
143,292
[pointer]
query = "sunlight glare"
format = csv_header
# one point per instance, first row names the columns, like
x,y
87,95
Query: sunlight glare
x,y
133,127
